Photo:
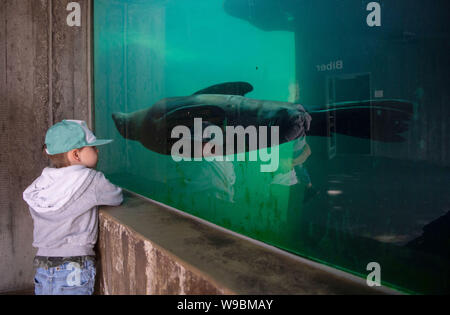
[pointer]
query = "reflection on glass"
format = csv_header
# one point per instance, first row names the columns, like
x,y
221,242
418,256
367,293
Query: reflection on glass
x,y
367,179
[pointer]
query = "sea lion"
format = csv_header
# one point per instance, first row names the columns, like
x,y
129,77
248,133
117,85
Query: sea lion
x,y
153,126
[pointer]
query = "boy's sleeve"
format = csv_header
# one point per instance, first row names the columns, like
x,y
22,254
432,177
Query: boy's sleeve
x,y
107,193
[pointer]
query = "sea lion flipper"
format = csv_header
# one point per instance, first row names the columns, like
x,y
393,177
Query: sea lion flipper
x,y
378,120
384,104
228,88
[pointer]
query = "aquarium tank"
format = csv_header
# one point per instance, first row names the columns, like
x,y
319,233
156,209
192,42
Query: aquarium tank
x,y
358,89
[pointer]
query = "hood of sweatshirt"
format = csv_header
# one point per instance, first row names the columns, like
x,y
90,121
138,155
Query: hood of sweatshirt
x,y
55,187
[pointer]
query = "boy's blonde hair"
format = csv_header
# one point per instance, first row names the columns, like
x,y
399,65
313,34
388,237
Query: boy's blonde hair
x,y
58,160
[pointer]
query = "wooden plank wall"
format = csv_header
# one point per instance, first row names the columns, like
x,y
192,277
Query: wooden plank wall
x,y
44,78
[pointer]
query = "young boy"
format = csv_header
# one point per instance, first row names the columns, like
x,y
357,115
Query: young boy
x,y
63,204
297,173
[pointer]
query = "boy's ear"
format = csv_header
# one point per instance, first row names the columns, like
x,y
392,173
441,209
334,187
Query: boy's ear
x,y
73,154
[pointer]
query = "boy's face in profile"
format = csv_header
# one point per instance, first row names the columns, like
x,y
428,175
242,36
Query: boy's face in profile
x,y
87,156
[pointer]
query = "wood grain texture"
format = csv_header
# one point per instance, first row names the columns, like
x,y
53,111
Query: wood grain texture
x,y
43,79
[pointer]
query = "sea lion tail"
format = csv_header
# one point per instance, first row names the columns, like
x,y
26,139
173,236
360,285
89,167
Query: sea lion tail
x,y
379,120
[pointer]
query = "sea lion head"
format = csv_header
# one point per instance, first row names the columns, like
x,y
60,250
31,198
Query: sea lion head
x,y
125,126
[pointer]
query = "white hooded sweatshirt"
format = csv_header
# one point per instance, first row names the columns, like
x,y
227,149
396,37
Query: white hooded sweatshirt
x,y
63,204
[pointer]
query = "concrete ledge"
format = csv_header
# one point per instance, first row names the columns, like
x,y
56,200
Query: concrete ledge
x,y
144,248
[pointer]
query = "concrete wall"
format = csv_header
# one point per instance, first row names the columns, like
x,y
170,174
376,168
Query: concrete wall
x,y
146,248
44,78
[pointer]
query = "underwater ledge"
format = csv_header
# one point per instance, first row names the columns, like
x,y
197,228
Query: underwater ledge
x,y
146,247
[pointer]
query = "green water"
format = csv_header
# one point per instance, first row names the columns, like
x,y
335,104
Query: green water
x,y
375,197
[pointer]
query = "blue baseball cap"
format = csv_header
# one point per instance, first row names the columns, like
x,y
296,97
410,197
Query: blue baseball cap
x,y
70,134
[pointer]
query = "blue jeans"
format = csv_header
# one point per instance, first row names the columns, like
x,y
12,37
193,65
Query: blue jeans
x,y
67,279
302,174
